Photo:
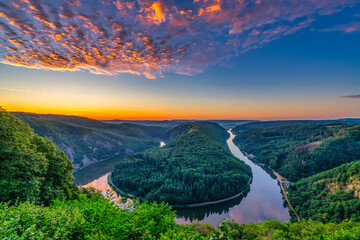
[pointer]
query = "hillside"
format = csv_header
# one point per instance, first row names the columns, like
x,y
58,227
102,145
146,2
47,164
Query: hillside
x,y
195,167
183,129
330,196
269,124
300,151
86,141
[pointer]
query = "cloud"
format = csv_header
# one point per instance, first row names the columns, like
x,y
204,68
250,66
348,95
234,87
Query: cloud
x,y
147,37
351,96
346,28
15,90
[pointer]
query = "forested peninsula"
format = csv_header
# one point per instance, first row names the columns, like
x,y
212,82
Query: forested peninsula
x,y
195,166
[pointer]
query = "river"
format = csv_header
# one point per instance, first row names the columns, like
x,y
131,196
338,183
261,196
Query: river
x,y
263,201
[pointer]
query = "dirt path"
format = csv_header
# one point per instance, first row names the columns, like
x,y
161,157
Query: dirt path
x,y
280,178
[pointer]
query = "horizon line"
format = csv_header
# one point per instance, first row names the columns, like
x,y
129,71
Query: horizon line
x,y
191,119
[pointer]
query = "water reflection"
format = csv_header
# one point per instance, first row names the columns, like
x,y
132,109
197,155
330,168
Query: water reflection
x,y
95,171
100,184
213,213
263,201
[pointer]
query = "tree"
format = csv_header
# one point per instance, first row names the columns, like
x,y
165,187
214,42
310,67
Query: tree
x,y
32,168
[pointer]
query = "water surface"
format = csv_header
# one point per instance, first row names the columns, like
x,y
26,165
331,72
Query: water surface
x,y
95,171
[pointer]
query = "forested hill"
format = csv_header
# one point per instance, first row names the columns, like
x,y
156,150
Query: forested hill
x,y
195,167
330,196
183,129
269,124
86,141
302,150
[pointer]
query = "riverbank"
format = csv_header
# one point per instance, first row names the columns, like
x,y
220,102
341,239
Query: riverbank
x,y
119,191
96,170
204,204
194,205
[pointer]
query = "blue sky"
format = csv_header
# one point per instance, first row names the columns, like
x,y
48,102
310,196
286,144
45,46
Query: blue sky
x,y
300,62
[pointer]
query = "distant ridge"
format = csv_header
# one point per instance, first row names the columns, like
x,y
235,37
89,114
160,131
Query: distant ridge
x,y
176,122
280,123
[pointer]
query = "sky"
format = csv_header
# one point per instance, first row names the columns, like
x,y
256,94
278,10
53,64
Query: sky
x,y
200,59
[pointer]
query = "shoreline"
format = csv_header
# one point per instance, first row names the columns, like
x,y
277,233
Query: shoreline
x,y
204,204
192,205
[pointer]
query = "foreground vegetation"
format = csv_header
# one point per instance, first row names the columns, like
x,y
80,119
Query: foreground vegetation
x,y
86,141
93,217
302,150
195,167
31,167
330,196
90,216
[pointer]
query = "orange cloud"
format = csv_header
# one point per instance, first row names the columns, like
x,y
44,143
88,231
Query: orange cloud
x,y
147,37
153,13
212,9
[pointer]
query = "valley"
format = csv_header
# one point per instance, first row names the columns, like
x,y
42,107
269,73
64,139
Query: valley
x,y
212,155
283,146
254,205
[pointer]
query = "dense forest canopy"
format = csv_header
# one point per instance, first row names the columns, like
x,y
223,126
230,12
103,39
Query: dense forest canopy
x,y
330,196
183,129
302,150
195,167
86,141
32,168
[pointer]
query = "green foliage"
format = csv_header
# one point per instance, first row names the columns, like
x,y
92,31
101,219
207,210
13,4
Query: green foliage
x,y
196,167
273,229
302,150
86,141
90,217
182,129
330,196
32,168
93,217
